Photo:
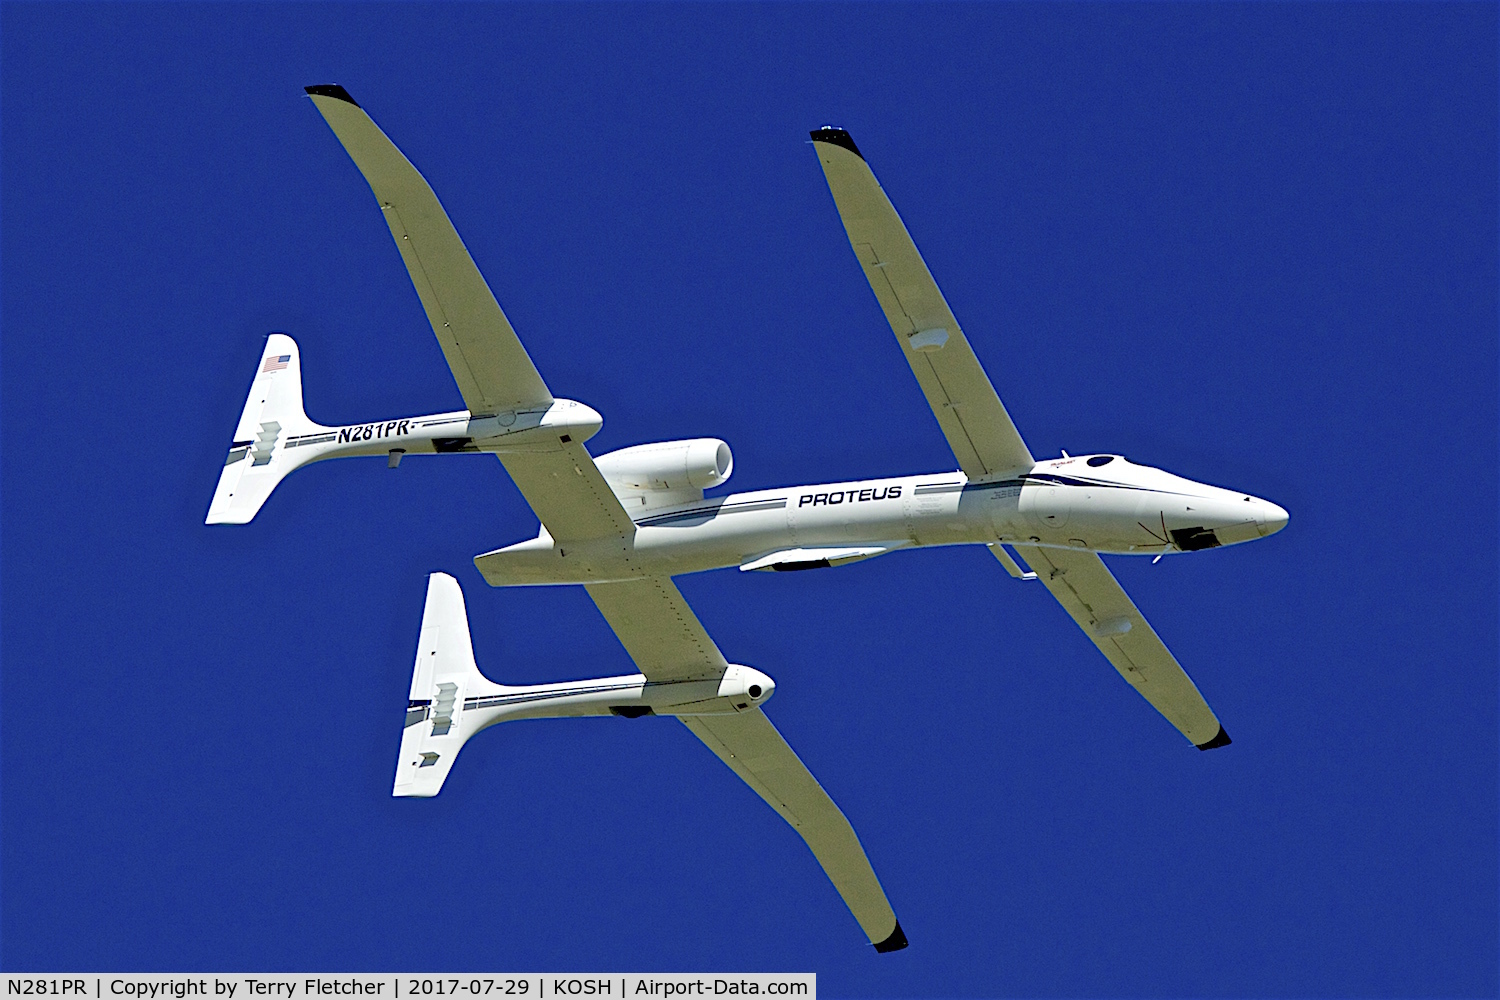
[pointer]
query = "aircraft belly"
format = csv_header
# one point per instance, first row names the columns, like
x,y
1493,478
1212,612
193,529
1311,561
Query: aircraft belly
x,y
1105,518
1097,518
716,543
998,509
1046,507
928,513
849,522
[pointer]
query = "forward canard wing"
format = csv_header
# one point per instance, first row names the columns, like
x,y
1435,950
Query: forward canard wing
x,y
493,371
1088,591
980,432
985,440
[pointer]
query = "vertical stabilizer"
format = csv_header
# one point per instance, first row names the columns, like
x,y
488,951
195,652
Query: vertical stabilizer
x,y
270,440
444,674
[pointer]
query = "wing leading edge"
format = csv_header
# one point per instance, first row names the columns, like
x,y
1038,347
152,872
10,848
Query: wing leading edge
x,y
979,430
985,440
668,643
493,371
753,749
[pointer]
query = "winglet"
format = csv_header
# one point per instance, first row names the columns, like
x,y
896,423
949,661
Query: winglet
x,y
1221,740
330,90
837,137
895,942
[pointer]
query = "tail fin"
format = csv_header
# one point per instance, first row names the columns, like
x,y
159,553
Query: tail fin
x,y
265,442
444,674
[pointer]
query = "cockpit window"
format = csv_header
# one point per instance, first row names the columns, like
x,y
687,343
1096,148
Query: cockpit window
x,y
1099,460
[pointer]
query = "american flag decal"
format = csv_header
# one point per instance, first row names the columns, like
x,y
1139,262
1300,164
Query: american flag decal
x,y
275,364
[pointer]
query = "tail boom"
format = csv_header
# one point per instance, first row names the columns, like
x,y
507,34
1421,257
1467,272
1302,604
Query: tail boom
x,y
450,700
275,437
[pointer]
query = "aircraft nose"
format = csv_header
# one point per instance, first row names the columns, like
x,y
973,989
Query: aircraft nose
x,y
1272,519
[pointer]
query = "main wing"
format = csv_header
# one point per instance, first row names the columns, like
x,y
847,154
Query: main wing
x,y
658,629
980,432
568,494
1086,588
492,369
668,643
754,750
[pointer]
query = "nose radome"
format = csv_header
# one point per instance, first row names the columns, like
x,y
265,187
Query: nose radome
x,y
1275,518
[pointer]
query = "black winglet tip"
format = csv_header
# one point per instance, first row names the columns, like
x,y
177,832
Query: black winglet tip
x,y
1221,740
897,940
837,137
330,90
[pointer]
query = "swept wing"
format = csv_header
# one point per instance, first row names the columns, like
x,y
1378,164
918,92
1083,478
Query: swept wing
x,y
571,498
1086,588
568,494
658,629
668,643
754,750
980,432
985,440
492,369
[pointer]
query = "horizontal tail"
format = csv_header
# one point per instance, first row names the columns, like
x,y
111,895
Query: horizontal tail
x,y
444,673
271,433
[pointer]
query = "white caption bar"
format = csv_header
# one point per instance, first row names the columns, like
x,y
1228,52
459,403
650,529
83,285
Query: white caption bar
x,y
411,986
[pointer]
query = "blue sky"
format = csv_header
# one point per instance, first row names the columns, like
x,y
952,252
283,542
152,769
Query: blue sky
x,y
1252,244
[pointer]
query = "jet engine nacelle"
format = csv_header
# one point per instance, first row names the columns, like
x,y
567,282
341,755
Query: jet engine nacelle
x,y
674,466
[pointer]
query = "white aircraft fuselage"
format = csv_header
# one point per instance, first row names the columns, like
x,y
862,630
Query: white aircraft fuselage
x,y
1061,503
1099,503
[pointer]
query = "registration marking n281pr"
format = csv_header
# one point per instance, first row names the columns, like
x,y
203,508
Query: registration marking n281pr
x,y
391,428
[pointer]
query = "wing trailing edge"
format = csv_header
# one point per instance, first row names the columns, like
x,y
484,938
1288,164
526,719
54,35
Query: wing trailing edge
x,y
1088,591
